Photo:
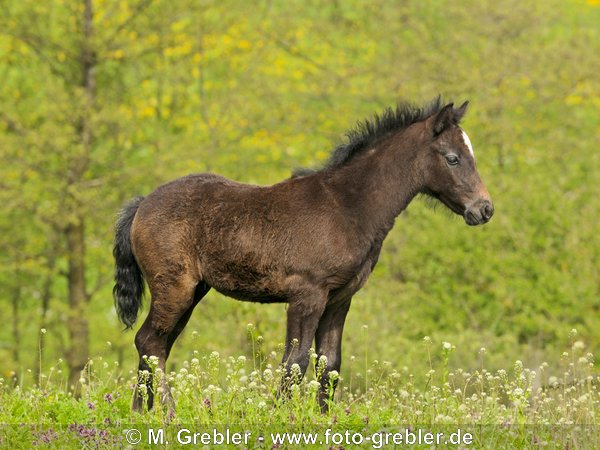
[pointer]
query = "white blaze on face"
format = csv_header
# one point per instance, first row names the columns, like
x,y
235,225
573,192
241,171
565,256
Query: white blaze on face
x,y
468,143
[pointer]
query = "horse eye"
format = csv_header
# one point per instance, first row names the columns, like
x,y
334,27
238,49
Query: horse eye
x,y
452,160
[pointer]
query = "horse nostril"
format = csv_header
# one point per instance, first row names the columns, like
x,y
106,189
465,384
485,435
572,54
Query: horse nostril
x,y
487,211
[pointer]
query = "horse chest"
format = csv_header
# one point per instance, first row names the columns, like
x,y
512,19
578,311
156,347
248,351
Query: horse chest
x,y
347,281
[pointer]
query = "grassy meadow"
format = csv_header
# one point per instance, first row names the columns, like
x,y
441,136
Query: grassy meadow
x,y
516,407
488,330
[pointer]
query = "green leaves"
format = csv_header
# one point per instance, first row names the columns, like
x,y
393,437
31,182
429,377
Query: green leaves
x,y
252,91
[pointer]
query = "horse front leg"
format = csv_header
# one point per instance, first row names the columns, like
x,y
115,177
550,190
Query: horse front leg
x,y
303,315
329,344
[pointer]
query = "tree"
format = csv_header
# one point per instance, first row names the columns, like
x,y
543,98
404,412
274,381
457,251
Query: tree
x,y
61,69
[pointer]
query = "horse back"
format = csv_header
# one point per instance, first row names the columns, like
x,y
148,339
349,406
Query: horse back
x,y
247,241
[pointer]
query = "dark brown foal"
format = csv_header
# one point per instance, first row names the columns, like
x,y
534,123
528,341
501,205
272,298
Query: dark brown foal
x,y
310,241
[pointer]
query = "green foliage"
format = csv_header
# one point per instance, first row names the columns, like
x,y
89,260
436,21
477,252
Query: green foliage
x,y
253,90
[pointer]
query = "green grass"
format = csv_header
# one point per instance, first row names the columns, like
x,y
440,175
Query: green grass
x,y
516,407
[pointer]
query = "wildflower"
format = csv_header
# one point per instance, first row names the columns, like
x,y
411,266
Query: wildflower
x,y
322,361
573,333
153,361
314,385
268,374
518,391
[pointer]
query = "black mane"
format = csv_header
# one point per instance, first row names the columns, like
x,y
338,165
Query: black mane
x,y
366,133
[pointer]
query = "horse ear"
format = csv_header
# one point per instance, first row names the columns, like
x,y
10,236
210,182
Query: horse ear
x,y
443,119
460,112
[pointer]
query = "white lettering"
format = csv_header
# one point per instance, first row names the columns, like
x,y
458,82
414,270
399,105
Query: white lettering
x,y
156,437
183,436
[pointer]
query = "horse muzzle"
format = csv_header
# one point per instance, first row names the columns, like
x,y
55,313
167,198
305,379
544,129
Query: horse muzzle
x,y
479,213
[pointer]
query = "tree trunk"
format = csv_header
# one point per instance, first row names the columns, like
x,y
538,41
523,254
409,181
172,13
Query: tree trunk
x,y
78,353
77,324
16,330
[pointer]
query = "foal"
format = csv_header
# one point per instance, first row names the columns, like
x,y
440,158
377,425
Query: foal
x,y
310,241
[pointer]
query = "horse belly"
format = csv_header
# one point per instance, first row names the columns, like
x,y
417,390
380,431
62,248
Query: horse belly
x,y
248,283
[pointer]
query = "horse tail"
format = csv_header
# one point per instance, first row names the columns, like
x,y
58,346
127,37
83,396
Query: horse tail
x,y
129,281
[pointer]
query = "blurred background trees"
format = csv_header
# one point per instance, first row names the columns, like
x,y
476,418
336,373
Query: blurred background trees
x,y
105,100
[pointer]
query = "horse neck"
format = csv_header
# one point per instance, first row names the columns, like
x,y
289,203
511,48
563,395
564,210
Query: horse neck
x,y
378,185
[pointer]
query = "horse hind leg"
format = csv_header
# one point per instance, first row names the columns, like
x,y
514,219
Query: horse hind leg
x,y
172,300
201,290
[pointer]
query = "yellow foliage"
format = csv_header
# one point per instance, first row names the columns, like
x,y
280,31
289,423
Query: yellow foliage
x,y
147,111
179,50
178,26
209,40
12,175
152,39
321,155
117,54
244,44
125,111
277,66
